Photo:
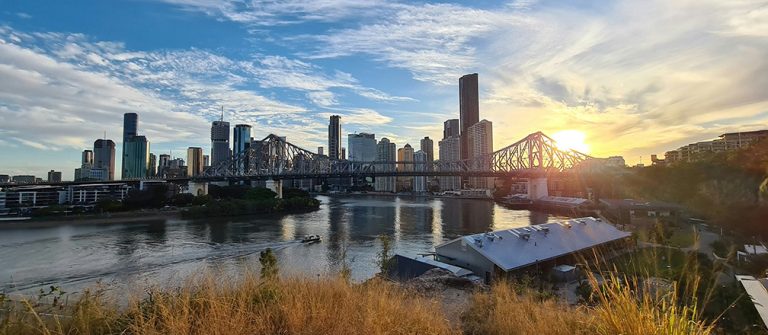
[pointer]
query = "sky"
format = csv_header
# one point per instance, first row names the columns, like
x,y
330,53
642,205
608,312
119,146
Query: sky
x,y
635,77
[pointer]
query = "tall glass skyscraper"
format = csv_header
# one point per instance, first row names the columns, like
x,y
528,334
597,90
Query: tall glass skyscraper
x,y
130,129
242,141
136,158
362,147
219,142
386,152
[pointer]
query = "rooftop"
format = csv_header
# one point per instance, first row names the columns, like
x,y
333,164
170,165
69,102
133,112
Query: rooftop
x,y
756,288
516,248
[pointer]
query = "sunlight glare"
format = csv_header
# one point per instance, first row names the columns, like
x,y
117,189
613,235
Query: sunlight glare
x,y
571,140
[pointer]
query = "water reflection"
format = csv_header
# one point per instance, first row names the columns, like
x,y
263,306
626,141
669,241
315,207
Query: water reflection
x,y
162,250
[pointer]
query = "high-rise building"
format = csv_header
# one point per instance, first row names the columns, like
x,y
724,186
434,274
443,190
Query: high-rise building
x,y
219,142
320,151
343,153
469,108
405,154
54,176
163,163
136,158
195,161
334,137
362,147
104,156
450,151
152,169
480,144
87,158
240,145
427,146
386,152
130,129
451,128
206,161
420,182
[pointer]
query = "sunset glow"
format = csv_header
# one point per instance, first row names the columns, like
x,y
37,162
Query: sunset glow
x,y
571,140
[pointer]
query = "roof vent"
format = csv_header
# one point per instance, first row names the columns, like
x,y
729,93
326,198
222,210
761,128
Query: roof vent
x,y
479,242
545,229
525,236
567,225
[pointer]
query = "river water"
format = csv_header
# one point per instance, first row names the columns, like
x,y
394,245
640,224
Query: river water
x,y
162,252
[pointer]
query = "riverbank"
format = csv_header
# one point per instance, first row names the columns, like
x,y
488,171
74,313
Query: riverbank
x,y
90,219
402,195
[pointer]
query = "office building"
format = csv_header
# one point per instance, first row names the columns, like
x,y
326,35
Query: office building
x,y
163,163
469,108
206,161
54,176
130,129
195,162
362,147
136,158
386,152
405,154
4,178
334,137
320,151
480,146
451,128
420,182
90,173
220,151
86,158
152,169
343,153
241,143
104,156
427,146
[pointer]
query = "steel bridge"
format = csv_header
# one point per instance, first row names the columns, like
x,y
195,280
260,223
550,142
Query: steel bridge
x,y
273,158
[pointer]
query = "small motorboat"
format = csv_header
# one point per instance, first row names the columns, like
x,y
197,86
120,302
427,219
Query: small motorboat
x,y
310,239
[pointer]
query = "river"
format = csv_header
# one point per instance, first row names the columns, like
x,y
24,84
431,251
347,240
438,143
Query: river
x,y
162,252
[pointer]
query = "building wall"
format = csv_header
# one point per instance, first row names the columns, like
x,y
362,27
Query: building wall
x,y
386,152
136,158
469,108
480,145
195,161
104,156
420,182
362,147
450,151
405,154
242,141
220,150
460,254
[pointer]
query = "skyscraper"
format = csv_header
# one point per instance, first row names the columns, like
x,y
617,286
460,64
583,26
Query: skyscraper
x,y
451,128
130,129
163,163
136,158
386,152
427,146
405,154
194,161
480,142
152,170
469,108
334,137
320,151
242,141
362,147
450,151
104,156
219,141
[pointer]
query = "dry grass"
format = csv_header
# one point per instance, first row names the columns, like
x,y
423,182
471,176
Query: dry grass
x,y
248,305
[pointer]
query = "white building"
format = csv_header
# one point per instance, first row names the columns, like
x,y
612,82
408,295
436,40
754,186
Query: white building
x,y
520,249
450,151
480,146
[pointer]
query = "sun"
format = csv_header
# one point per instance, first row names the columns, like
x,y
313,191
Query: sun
x,y
571,140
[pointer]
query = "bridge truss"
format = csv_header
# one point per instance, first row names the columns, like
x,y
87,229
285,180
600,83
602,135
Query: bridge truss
x,y
275,158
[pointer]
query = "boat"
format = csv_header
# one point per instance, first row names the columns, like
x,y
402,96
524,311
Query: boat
x,y
311,239
517,201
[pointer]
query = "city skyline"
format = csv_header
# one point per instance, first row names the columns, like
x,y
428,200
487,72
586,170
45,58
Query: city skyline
x,y
647,98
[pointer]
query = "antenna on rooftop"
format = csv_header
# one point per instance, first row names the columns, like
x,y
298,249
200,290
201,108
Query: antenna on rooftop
x,y
222,112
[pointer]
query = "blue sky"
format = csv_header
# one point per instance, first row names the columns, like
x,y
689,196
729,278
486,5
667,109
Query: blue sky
x,y
637,77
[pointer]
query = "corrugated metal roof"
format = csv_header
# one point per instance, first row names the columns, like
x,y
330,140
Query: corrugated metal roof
x,y
516,248
758,293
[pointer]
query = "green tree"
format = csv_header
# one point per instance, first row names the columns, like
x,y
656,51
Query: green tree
x,y
384,258
269,268
259,193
